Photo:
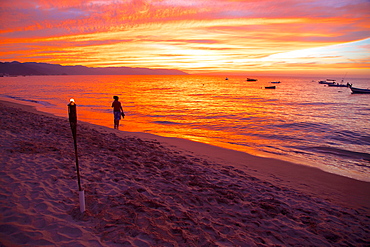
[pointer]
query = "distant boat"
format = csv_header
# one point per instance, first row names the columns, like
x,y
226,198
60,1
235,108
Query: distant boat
x,y
359,90
275,82
270,87
339,85
327,82
251,79
226,78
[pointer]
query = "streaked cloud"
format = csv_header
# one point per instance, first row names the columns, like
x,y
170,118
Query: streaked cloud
x,y
192,35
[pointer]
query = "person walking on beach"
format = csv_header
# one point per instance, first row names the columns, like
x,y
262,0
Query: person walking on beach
x,y
117,111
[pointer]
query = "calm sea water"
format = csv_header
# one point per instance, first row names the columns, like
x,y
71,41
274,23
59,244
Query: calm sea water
x,y
300,121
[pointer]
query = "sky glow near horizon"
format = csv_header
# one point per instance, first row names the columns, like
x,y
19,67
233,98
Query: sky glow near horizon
x,y
195,36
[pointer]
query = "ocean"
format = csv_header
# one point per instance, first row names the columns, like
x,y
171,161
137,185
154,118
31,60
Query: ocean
x,y
300,121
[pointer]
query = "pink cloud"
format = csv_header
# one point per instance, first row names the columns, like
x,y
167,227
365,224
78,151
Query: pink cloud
x,y
221,29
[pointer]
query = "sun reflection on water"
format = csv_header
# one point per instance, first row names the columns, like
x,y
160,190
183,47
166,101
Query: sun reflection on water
x,y
288,122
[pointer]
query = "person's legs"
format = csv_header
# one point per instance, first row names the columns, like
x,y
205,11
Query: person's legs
x,y
117,117
116,124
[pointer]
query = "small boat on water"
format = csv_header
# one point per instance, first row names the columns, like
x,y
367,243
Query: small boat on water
x,y
275,82
270,87
359,90
251,79
339,85
327,82
226,78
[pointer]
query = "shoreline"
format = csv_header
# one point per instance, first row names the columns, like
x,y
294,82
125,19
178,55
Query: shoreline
x,y
257,165
259,137
161,190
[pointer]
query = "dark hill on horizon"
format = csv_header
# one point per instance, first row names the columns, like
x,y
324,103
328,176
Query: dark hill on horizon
x,y
32,68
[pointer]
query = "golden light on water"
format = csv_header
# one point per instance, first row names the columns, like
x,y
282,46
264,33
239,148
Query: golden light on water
x,y
234,113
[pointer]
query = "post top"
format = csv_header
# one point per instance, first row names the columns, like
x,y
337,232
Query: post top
x,y
71,102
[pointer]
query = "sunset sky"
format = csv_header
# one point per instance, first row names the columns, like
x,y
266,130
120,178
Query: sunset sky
x,y
195,36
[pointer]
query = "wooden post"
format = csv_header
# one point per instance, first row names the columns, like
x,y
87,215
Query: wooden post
x,y
72,113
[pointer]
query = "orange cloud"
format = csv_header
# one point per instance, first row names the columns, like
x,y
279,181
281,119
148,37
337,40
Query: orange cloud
x,y
192,35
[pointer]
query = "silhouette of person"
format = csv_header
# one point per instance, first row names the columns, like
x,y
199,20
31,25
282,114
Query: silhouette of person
x,y
117,111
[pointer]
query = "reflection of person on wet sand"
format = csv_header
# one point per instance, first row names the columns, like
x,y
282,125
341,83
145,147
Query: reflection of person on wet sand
x,y
117,111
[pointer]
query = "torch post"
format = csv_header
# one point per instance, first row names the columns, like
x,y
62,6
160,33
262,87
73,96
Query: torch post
x,y
72,113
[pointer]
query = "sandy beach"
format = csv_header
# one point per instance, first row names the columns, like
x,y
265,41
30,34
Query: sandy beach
x,y
147,190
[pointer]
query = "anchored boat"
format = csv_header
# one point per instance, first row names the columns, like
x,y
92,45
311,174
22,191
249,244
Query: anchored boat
x,y
359,90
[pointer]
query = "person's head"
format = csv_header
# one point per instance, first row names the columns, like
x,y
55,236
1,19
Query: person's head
x,y
115,97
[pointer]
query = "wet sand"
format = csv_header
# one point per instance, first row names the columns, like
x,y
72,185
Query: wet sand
x,y
147,190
